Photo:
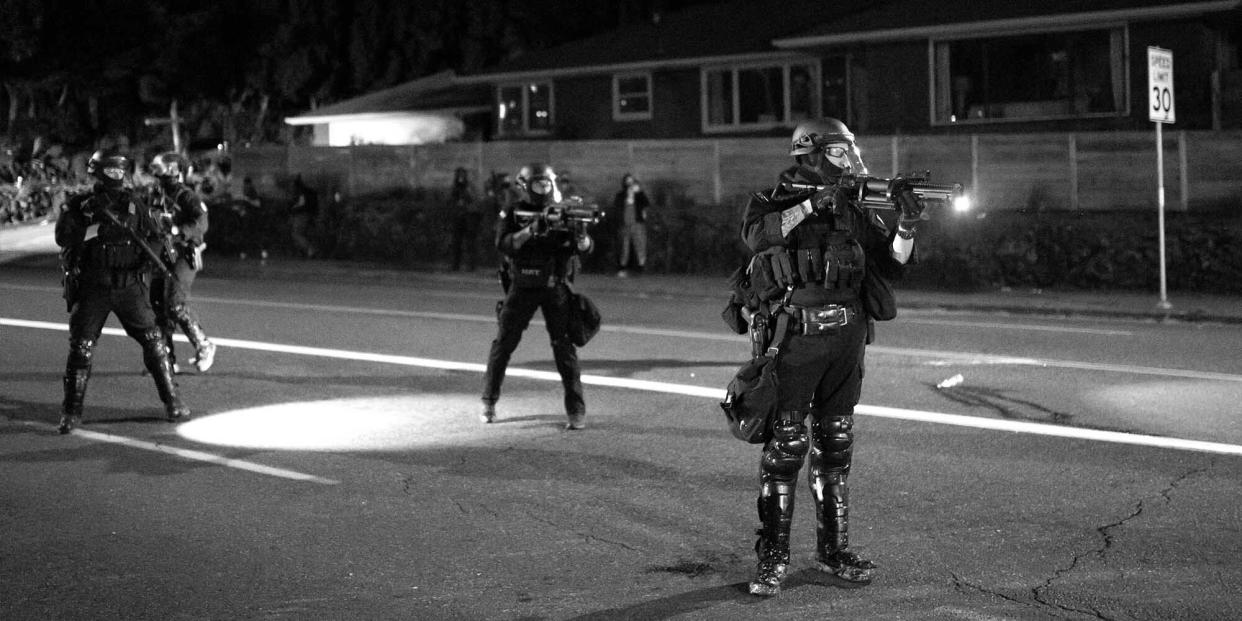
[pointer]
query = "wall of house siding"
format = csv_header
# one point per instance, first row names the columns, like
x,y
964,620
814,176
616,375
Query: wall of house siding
x,y
1097,171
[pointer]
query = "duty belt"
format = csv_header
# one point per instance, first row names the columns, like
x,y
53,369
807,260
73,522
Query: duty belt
x,y
820,319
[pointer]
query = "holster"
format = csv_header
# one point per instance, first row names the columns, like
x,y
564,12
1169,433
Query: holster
x,y
759,334
506,279
71,285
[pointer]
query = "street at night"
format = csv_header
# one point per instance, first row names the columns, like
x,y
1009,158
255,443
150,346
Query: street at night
x,y
335,466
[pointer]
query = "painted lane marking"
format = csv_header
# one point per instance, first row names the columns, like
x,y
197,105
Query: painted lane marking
x,y
619,329
1015,326
239,464
717,393
961,357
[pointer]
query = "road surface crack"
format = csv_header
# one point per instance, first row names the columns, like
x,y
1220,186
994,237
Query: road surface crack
x,y
1107,538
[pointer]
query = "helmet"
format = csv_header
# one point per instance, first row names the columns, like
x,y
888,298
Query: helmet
x,y
168,165
539,181
811,135
107,167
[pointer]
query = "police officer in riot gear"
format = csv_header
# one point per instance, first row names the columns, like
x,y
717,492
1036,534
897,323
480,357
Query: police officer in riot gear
x,y
541,259
102,233
823,262
183,217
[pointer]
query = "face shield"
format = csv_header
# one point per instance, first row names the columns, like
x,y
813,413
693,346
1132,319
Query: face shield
x,y
835,159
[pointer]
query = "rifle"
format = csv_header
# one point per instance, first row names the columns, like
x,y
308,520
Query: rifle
x,y
569,211
142,245
881,192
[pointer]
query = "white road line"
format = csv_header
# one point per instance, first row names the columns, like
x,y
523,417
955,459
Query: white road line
x,y
239,464
1015,326
963,357
619,329
713,393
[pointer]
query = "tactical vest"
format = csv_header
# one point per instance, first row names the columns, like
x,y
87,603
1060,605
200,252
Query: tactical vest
x,y
821,252
113,249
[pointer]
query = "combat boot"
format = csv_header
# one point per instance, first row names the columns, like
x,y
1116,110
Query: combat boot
x,y
75,396
77,375
155,355
775,504
176,411
773,565
832,530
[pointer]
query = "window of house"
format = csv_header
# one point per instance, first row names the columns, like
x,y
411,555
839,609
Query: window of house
x,y
759,96
1030,77
631,97
524,109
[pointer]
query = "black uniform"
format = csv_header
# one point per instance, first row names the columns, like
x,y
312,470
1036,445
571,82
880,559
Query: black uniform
x,y
183,217
540,271
107,272
818,275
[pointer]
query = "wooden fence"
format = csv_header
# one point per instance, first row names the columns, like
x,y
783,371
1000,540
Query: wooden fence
x,y
1068,172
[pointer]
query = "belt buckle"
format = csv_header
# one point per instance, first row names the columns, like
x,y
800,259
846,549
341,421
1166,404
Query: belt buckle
x,y
822,320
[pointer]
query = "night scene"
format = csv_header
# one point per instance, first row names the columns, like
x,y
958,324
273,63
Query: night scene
x,y
528,310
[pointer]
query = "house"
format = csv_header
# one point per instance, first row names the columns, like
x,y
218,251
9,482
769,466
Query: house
x,y
429,110
758,67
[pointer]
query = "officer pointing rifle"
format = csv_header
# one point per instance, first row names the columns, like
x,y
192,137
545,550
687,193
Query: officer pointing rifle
x,y
821,268
541,238
107,235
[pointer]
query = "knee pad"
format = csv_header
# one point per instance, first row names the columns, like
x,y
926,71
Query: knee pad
x,y
834,440
153,344
783,455
179,313
80,353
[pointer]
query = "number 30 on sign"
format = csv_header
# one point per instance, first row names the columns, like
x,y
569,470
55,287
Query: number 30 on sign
x,y
1160,85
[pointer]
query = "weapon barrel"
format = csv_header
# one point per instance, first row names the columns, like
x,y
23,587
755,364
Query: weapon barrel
x,y
151,254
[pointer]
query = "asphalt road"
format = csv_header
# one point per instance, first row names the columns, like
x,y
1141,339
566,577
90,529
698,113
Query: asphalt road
x,y
1077,469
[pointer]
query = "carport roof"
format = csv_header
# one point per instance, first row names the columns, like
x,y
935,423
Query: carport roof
x,y
439,92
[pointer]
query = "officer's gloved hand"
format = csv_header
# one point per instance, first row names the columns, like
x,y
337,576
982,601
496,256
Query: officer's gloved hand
x,y
912,213
537,227
826,200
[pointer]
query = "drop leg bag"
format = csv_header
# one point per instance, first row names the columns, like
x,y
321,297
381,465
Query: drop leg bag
x,y
753,394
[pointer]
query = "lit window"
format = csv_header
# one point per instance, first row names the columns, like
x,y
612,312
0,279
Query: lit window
x,y
1063,74
760,97
524,109
631,96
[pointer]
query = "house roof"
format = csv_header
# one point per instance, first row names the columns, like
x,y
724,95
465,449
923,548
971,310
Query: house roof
x,y
439,92
735,31
912,19
692,36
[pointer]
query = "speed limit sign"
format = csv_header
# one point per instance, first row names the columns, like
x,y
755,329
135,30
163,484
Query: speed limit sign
x,y
1160,85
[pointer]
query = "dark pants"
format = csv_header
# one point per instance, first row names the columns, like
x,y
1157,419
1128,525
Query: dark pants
x,y
127,295
515,315
466,239
170,300
129,300
821,378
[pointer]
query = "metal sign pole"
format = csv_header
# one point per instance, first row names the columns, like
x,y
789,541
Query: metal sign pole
x,y
1161,111
1164,290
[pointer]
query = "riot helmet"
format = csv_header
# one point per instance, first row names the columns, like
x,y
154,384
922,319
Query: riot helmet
x,y
108,167
827,147
539,182
170,165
